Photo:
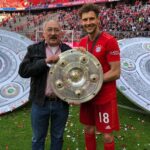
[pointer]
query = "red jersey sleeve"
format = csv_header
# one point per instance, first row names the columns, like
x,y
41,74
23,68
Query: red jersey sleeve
x,y
113,50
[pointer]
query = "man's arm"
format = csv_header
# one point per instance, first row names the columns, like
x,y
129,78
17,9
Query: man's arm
x,y
113,73
32,66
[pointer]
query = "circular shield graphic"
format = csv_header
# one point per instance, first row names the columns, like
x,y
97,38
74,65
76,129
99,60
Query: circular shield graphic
x,y
134,82
76,77
13,89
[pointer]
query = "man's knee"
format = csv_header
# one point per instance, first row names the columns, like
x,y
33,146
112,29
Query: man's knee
x,y
89,129
108,138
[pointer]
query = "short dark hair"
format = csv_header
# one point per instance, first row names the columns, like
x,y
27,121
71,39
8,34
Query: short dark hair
x,y
89,7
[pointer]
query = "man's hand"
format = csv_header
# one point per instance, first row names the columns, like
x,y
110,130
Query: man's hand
x,y
52,59
81,49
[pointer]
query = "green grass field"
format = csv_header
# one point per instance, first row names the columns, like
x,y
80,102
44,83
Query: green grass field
x,y
15,130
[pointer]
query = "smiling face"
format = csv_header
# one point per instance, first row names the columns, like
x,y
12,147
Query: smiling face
x,y
52,32
90,22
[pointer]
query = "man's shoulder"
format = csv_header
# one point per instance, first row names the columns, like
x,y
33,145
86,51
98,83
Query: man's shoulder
x,y
36,44
83,41
84,38
107,36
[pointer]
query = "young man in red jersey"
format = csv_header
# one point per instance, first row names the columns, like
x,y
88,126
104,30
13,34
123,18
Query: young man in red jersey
x,y
101,113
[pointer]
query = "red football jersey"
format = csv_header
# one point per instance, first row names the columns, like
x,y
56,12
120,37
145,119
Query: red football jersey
x,y
105,50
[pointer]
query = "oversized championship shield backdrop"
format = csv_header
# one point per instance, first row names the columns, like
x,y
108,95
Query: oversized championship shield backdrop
x,y
134,81
77,77
14,90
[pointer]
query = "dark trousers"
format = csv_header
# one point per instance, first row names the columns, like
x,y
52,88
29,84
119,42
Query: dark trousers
x,y
54,113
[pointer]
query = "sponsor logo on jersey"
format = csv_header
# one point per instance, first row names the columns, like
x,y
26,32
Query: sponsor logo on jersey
x,y
115,52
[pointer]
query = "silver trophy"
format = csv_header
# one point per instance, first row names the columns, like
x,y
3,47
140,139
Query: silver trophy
x,y
77,77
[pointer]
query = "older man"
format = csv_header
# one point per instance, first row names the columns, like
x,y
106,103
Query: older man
x,y
46,107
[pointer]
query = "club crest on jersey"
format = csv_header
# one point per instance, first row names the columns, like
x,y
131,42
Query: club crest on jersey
x,y
98,48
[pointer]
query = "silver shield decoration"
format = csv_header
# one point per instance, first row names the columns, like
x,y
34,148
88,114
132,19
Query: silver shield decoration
x,y
76,77
134,82
14,90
